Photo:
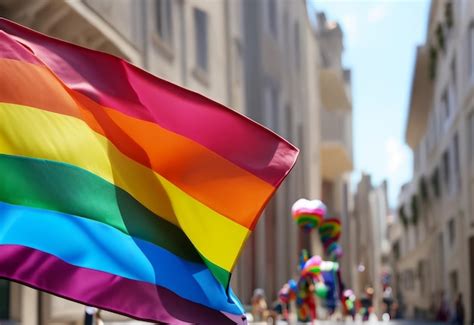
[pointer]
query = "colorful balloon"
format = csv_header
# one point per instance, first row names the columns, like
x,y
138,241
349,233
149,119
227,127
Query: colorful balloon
x,y
304,256
330,229
284,293
308,214
321,290
330,232
312,266
334,251
292,290
327,266
293,285
348,293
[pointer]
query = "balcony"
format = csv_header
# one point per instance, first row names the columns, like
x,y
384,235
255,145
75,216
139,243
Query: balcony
x,y
336,143
420,99
334,90
73,21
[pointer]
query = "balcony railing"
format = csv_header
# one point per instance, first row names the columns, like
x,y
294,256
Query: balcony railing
x,y
336,127
336,142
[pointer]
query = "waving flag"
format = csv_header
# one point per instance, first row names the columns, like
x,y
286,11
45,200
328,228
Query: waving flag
x,y
121,190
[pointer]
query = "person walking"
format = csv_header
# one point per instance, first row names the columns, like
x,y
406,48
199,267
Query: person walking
x,y
459,310
259,305
443,310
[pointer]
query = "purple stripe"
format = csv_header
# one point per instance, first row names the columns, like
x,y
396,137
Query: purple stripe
x,y
106,291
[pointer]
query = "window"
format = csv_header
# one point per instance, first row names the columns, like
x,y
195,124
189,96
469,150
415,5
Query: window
x,y
271,108
446,170
237,63
453,283
289,123
416,158
286,32
163,20
409,279
441,253
452,231
452,86
431,135
471,51
4,299
201,39
445,108
297,46
272,17
267,107
470,134
396,250
328,194
301,144
276,110
456,164
421,276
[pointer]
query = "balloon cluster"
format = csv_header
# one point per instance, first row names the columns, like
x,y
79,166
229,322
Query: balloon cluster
x,y
308,214
288,292
349,300
318,278
313,268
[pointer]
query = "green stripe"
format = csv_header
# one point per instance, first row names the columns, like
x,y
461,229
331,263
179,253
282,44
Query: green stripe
x,y
310,219
66,188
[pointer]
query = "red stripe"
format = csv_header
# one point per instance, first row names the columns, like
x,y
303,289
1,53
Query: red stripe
x,y
114,83
103,290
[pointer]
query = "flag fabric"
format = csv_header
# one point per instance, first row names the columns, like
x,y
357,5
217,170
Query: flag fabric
x,y
121,190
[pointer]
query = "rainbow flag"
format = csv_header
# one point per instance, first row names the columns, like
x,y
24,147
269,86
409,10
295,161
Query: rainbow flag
x,y
121,190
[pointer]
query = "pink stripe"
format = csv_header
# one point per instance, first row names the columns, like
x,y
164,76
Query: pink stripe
x,y
310,211
114,83
11,51
103,290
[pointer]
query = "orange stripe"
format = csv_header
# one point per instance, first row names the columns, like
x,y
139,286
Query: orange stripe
x,y
201,173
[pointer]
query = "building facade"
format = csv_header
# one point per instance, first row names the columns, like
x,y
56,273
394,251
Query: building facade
x,y
280,65
367,263
294,71
435,249
336,128
266,59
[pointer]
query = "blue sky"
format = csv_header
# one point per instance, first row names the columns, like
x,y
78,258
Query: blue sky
x,y
380,39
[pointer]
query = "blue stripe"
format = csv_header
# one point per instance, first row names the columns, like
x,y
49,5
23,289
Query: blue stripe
x,y
94,245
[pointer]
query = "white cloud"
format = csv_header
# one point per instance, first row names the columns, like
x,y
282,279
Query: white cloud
x,y
377,13
397,156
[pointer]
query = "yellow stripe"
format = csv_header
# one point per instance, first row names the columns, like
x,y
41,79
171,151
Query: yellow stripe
x,y
27,131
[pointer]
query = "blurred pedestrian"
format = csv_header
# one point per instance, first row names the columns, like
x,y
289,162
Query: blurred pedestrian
x,y
259,305
387,299
283,300
459,311
305,301
98,318
89,315
396,311
442,314
366,303
348,305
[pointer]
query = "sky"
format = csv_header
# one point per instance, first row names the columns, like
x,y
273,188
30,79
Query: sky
x,y
380,39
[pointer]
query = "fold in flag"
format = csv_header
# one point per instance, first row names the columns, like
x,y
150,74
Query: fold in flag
x,y
123,191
